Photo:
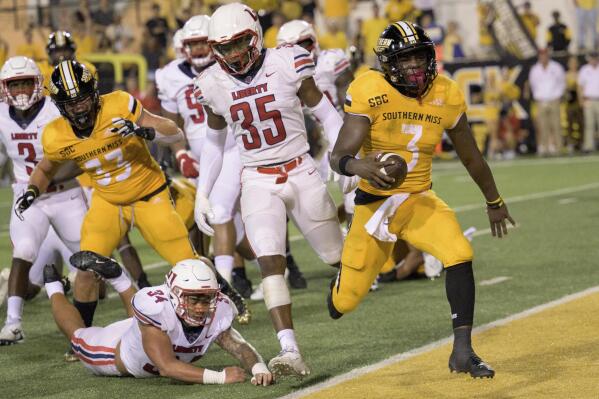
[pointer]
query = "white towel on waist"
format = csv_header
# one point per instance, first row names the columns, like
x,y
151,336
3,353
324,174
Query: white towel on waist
x,y
378,224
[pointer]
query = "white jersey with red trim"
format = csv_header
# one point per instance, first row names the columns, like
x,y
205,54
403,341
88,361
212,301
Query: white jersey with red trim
x,y
329,65
174,83
151,306
263,111
23,139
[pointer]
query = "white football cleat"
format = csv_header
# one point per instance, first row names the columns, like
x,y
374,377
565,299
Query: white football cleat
x,y
4,274
288,362
258,293
11,334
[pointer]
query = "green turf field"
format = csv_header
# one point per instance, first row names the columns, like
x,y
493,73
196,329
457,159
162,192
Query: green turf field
x,y
554,251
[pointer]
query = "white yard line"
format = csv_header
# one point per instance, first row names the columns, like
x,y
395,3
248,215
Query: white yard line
x,y
566,201
494,280
434,345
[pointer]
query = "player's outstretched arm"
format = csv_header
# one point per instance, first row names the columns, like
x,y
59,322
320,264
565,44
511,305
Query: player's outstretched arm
x,y
158,347
232,341
321,108
479,170
342,83
166,130
38,184
343,160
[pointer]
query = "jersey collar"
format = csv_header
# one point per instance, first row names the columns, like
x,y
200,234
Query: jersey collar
x,y
28,116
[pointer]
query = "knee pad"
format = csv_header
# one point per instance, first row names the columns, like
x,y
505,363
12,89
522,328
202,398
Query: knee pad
x,y
276,292
25,249
331,257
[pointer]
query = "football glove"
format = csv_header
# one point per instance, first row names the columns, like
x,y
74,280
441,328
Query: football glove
x,y
125,128
25,200
203,213
188,166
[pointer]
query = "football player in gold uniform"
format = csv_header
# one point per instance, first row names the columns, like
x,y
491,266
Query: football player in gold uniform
x,y
405,109
106,137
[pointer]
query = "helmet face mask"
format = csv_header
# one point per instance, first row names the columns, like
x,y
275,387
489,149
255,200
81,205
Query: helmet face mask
x,y
198,52
239,53
61,54
196,308
21,83
81,112
407,59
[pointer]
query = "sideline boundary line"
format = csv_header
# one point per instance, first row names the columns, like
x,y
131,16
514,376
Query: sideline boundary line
x,y
434,345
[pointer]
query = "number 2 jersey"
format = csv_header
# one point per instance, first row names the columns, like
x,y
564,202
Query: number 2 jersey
x,y
23,139
151,306
121,168
263,111
403,125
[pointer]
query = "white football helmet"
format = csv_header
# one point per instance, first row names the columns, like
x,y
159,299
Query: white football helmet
x,y
21,68
301,33
196,30
192,281
178,44
235,36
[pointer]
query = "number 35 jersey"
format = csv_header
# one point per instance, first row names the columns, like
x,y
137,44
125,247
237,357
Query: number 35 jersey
x,y
264,112
151,306
23,141
121,168
404,125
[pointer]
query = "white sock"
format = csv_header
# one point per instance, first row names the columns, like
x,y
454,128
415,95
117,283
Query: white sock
x,y
14,310
224,265
55,287
120,283
287,339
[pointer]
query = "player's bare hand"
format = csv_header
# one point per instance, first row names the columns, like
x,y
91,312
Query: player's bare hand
x,y
497,218
262,379
234,374
369,168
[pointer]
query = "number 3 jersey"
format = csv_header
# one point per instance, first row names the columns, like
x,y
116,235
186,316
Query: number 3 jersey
x,y
121,168
263,111
403,125
152,307
23,139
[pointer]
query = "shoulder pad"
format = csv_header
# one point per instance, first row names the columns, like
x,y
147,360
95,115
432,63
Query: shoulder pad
x,y
148,305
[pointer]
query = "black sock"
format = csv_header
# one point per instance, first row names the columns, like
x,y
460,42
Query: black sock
x,y
142,281
240,272
86,310
459,286
462,341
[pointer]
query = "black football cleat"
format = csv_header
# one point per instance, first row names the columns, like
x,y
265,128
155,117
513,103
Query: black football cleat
x,y
244,315
470,363
51,274
296,278
243,285
102,266
333,312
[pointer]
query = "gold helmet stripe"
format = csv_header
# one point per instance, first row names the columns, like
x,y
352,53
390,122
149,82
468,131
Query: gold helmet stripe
x,y
409,31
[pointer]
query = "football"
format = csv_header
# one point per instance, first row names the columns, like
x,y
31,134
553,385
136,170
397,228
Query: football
x,y
398,169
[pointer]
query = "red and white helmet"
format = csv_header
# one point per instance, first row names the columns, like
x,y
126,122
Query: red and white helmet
x,y
193,280
235,36
194,30
178,44
21,68
301,33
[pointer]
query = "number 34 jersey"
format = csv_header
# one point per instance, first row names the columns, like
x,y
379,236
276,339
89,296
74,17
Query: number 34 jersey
x,y
264,111
121,168
23,142
151,306
403,125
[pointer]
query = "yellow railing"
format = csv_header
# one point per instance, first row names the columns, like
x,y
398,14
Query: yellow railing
x,y
120,60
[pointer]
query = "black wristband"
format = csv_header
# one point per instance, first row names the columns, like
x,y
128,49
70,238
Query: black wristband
x,y
36,191
343,162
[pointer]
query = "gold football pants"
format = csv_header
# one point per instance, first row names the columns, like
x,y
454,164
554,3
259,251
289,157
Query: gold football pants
x,y
423,220
160,225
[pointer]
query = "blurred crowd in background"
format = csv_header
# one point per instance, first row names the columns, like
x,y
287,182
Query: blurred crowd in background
x,y
547,105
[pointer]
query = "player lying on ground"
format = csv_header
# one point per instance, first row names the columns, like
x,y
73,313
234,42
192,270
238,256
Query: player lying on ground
x,y
171,325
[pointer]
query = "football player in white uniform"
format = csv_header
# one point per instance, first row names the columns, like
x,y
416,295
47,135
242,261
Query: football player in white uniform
x,y
23,115
258,93
171,326
175,85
